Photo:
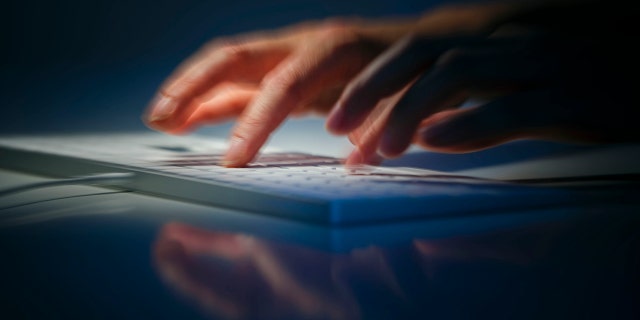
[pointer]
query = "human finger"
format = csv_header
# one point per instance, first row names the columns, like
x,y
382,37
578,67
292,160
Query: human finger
x,y
457,75
229,103
334,59
367,136
222,61
386,75
225,104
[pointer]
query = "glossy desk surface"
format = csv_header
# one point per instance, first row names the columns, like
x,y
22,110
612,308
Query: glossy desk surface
x,y
79,252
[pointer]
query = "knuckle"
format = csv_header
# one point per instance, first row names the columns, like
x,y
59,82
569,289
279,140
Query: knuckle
x,y
212,45
181,88
232,48
233,51
335,27
167,92
248,126
347,48
356,88
303,26
240,134
253,120
341,35
287,83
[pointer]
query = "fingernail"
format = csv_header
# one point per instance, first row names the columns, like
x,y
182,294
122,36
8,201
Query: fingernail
x,y
440,135
235,155
162,108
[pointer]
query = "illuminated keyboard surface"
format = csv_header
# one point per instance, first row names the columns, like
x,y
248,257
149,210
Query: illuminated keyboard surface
x,y
292,185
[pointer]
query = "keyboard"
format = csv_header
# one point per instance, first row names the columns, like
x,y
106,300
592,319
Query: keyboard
x,y
291,185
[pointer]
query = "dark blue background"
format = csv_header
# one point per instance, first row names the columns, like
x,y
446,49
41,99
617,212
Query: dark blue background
x,y
76,65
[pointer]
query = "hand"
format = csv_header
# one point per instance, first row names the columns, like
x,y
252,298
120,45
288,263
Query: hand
x,y
563,80
264,77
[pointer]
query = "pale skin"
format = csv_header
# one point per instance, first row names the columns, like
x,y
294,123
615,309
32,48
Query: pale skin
x,y
388,84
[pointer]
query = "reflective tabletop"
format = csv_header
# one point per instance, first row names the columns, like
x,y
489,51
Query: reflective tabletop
x,y
107,254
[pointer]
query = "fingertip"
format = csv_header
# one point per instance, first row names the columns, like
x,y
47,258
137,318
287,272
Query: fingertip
x,y
238,154
161,108
146,122
355,158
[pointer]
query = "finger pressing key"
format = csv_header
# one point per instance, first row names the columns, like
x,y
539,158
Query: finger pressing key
x,y
297,80
246,61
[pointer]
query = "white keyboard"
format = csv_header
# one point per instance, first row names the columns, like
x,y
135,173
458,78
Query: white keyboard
x,y
292,185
